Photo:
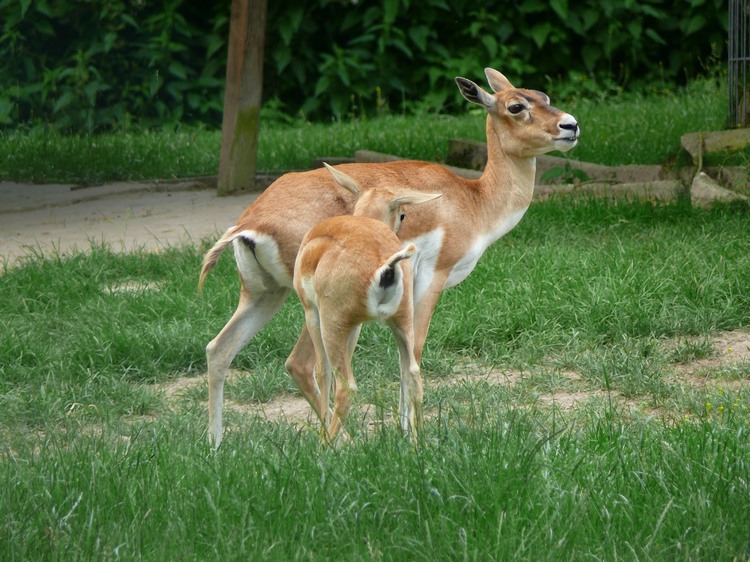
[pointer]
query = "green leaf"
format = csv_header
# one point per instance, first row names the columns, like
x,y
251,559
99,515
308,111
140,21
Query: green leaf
x,y
6,111
339,105
401,46
418,34
634,28
155,84
129,20
109,41
504,30
532,6
67,72
310,105
282,57
653,12
45,28
590,18
540,32
25,7
574,22
650,33
490,44
43,8
371,16
591,55
64,101
364,38
175,47
344,76
440,4
323,84
435,74
696,23
93,88
475,28
440,50
178,70
390,11
194,100
289,24
560,7
215,43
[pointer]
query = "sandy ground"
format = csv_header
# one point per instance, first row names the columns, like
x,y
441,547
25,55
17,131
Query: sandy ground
x,y
62,218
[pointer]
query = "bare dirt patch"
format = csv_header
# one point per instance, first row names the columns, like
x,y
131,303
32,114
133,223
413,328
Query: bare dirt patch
x,y
565,401
292,409
730,349
473,372
177,388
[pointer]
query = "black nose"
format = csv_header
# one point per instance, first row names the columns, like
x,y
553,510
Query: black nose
x,y
569,126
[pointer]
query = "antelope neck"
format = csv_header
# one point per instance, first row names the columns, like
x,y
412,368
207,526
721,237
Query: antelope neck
x,y
513,175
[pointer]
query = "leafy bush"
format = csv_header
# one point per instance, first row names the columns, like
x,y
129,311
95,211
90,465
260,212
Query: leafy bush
x,y
83,65
99,63
325,57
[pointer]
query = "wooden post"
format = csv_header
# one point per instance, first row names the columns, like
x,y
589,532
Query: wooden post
x,y
242,98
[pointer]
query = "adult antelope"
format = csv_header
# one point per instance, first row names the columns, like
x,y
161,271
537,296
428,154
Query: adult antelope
x,y
451,235
350,270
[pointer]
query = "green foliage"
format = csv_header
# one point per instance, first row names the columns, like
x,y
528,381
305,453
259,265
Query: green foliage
x,y
104,63
347,56
99,63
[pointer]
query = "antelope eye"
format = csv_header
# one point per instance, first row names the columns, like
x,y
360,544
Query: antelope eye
x,y
516,108
402,217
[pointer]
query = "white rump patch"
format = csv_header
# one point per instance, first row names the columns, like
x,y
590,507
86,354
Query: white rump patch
x,y
382,302
264,264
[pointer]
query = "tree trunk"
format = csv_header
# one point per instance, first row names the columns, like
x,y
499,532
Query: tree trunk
x,y
242,99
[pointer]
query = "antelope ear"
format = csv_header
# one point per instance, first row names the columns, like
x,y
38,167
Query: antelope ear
x,y
497,81
343,179
474,93
413,198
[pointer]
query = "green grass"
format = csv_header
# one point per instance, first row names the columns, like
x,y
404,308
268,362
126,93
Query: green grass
x,y
605,301
620,129
477,490
96,462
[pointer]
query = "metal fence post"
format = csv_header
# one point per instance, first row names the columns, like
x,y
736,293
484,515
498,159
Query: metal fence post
x,y
739,40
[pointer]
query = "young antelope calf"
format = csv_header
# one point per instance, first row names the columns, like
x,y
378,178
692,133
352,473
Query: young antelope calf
x,y
350,270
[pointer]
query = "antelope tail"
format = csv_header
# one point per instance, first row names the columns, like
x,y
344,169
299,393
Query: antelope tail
x,y
387,274
212,256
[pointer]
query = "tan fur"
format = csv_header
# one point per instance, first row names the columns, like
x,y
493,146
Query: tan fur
x,y
337,277
471,214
